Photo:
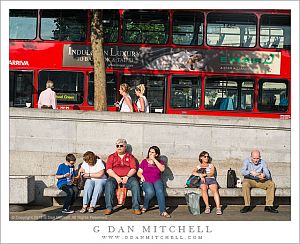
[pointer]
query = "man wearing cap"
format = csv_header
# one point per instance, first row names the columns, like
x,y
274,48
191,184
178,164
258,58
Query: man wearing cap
x,y
121,168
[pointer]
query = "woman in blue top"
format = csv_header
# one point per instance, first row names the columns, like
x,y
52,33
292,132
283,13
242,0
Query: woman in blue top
x,y
65,175
206,171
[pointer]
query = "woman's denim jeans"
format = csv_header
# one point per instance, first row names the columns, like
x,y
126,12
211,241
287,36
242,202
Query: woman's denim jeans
x,y
92,191
152,189
110,191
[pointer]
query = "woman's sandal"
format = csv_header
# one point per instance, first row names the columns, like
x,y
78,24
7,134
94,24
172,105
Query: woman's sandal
x,y
219,211
165,214
83,210
207,210
91,210
143,210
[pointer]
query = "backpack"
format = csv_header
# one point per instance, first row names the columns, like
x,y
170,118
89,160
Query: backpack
x,y
193,181
231,178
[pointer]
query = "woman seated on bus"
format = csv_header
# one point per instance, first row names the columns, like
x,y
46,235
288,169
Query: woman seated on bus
x,y
150,173
125,105
206,171
142,102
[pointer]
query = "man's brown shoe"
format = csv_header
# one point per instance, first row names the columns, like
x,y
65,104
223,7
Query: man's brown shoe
x,y
136,211
107,211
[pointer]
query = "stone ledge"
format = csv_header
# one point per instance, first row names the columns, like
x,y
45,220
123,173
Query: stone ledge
x,y
53,191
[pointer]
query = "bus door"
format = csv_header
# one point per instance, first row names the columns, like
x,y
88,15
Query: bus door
x,y
20,88
155,90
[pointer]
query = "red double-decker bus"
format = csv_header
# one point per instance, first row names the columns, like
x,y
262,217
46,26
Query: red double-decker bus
x,y
210,62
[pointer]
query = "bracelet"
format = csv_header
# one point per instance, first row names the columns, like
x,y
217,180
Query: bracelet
x,y
127,176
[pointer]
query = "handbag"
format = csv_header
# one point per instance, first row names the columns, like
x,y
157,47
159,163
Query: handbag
x,y
81,183
121,193
135,107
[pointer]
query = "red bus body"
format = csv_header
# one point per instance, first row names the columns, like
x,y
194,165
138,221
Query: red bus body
x,y
36,55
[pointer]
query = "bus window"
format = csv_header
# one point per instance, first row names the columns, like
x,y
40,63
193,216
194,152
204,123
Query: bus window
x,y
111,25
155,90
146,26
231,29
188,28
22,24
247,95
68,85
20,88
185,92
229,94
273,96
111,85
275,31
64,25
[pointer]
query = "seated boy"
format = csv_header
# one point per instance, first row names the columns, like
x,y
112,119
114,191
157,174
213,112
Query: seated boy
x,y
65,175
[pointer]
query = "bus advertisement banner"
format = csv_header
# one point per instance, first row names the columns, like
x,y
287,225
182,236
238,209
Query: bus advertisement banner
x,y
176,59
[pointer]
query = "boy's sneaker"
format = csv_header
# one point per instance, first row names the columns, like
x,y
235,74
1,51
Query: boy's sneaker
x,y
67,211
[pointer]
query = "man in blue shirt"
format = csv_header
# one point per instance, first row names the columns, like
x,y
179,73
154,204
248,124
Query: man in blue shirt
x,y
257,175
65,176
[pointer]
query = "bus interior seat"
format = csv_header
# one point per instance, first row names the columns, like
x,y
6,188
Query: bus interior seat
x,y
224,104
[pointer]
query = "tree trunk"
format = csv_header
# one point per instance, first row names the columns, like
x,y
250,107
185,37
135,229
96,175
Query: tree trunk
x,y
100,101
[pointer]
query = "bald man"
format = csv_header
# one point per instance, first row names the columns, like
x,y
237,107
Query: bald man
x,y
257,175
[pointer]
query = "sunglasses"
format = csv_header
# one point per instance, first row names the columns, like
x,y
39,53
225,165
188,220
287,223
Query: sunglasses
x,y
205,156
119,145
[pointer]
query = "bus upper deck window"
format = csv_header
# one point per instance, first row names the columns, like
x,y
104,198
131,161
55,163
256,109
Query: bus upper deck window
x,y
146,26
64,25
22,24
231,29
275,31
188,28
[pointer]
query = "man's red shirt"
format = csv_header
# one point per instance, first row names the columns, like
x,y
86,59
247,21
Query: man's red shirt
x,y
121,166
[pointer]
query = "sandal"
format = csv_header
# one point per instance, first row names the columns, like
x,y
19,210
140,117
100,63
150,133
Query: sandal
x,y
207,210
165,214
143,210
91,210
83,210
219,211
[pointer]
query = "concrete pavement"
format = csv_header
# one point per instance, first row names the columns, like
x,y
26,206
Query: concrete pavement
x,y
178,213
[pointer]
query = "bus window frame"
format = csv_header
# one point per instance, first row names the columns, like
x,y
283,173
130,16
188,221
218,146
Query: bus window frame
x,y
193,87
114,74
143,75
32,87
59,70
261,106
166,31
36,26
239,80
87,37
228,46
287,47
202,18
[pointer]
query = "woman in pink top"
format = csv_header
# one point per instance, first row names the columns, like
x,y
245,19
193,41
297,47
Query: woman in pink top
x,y
47,97
150,173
